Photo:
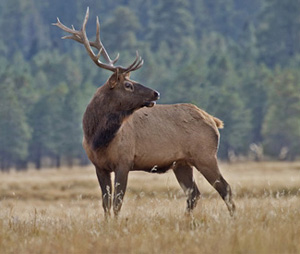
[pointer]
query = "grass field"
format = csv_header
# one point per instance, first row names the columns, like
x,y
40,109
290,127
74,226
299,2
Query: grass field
x,y
59,211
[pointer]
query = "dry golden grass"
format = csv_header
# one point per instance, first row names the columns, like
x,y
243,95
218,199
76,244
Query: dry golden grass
x,y
59,211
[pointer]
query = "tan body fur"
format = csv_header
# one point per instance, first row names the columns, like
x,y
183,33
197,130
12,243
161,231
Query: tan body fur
x,y
160,136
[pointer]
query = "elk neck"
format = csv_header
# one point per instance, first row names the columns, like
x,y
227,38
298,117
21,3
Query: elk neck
x,y
101,121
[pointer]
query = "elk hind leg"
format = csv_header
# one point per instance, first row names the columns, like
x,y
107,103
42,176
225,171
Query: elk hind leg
x,y
184,175
213,175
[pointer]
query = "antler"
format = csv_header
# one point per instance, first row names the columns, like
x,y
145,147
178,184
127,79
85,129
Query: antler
x,y
81,37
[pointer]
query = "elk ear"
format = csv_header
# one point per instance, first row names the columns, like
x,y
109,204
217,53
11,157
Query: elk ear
x,y
113,80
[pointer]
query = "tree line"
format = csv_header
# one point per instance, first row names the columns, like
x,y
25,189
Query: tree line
x,y
238,60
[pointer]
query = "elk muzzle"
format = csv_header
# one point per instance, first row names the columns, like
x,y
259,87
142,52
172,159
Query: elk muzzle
x,y
152,101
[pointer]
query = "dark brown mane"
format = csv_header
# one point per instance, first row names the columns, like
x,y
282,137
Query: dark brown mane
x,y
105,134
101,127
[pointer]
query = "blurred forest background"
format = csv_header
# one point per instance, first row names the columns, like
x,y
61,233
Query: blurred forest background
x,y
237,59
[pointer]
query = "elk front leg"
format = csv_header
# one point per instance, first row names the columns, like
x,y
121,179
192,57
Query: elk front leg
x,y
104,180
184,175
121,177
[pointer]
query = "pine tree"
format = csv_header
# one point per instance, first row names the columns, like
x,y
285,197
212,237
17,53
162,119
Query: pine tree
x,y
227,103
23,27
15,132
172,24
281,128
121,30
279,32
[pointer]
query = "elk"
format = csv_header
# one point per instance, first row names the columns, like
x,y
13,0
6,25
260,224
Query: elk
x,y
124,131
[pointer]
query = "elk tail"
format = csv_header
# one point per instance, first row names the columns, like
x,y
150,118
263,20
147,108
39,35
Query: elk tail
x,y
219,123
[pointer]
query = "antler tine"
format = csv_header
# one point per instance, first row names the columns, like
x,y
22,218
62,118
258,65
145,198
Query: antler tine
x,y
98,42
98,45
74,34
116,59
138,62
133,64
139,65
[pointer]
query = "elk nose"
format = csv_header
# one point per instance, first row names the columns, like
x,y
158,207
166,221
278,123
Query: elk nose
x,y
156,95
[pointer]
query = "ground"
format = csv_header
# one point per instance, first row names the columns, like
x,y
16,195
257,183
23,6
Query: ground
x,y
59,211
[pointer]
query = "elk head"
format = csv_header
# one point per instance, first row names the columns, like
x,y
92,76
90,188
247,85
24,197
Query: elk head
x,y
130,95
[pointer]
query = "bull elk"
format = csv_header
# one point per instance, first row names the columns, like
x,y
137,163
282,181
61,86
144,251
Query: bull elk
x,y
123,132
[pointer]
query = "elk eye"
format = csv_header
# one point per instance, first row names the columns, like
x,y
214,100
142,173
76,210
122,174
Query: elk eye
x,y
128,86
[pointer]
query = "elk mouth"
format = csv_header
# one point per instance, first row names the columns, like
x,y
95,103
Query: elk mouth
x,y
149,104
